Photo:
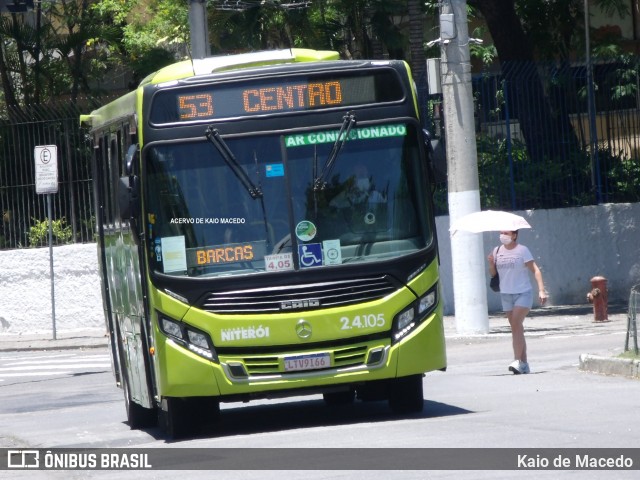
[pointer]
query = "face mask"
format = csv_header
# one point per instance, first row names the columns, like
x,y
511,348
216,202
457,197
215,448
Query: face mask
x,y
505,239
363,184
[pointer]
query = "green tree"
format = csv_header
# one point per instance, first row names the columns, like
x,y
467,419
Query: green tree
x,y
355,28
527,31
152,33
56,55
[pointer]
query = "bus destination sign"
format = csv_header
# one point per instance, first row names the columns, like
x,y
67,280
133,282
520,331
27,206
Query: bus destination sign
x,y
246,98
267,99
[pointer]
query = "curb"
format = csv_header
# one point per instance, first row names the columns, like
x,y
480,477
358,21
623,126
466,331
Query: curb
x,y
67,340
624,367
53,345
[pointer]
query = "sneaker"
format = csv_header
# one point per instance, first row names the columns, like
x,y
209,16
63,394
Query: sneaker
x,y
518,367
515,367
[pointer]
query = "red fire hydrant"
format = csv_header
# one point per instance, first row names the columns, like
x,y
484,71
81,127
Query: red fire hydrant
x,y
598,297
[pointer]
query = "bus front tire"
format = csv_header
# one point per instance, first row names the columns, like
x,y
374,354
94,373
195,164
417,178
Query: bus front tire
x,y
182,417
137,415
405,394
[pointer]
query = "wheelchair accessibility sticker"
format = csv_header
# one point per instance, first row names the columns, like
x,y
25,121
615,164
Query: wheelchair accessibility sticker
x,y
310,255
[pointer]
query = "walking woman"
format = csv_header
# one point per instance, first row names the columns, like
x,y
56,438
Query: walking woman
x,y
513,263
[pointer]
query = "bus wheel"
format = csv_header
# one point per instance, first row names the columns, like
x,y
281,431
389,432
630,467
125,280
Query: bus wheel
x,y
405,394
339,398
206,411
183,417
137,415
174,417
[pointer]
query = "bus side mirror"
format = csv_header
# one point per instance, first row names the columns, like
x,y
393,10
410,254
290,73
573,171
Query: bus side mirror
x,y
130,158
129,197
129,203
128,186
129,193
124,196
436,157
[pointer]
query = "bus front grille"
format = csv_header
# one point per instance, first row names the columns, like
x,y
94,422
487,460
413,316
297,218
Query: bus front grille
x,y
303,297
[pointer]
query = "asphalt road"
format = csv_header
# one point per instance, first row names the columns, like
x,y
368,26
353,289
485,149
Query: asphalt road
x,y
476,403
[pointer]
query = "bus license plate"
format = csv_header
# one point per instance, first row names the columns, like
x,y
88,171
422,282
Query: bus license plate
x,y
307,362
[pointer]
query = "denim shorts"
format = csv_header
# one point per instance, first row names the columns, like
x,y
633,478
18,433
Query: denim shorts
x,y
510,300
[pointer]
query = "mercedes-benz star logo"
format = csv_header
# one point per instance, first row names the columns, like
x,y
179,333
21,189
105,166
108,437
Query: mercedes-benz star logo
x,y
303,329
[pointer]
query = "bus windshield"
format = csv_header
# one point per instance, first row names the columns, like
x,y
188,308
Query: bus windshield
x,y
202,220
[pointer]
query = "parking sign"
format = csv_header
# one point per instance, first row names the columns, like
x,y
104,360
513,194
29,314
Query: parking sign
x,y
46,160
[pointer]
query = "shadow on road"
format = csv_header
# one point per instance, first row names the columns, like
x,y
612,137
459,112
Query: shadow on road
x,y
251,419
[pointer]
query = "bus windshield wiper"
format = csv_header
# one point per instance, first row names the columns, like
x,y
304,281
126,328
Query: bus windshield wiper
x,y
213,135
348,121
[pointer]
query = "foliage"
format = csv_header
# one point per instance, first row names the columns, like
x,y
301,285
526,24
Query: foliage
x,y
621,175
629,354
80,43
351,27
60,54
620,84
487,54
548,183
555,28
153,33
75,46
158,24
39,232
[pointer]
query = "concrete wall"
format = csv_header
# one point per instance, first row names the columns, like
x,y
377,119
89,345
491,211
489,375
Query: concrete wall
x,y
570,245
25,290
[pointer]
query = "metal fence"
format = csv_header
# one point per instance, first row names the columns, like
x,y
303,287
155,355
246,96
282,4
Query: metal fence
x,y
533,129
535,146
24,212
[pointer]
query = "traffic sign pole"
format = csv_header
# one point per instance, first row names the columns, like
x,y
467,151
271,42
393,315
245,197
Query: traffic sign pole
x,y
46,163
53,301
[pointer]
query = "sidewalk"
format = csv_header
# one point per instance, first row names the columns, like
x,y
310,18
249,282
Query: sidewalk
x,y
65,340
554,320
548,321
563,321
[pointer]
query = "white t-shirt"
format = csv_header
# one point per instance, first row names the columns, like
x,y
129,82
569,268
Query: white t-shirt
x,y
514,274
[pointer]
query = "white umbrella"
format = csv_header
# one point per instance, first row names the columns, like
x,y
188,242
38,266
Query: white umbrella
x,y
489,221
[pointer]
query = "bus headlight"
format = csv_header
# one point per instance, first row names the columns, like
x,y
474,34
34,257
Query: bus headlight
x,y
405,318
171,328
189,337
197,339
426,302
412,316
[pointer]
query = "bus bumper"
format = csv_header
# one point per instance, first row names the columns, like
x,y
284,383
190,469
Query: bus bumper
x,y
256,375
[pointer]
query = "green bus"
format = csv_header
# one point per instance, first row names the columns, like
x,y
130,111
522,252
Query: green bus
x,y
265,229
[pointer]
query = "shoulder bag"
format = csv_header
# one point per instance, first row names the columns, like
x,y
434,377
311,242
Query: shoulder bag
x,y
494,283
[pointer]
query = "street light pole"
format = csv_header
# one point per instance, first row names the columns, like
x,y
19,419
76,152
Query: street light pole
x,y
198,28
467,253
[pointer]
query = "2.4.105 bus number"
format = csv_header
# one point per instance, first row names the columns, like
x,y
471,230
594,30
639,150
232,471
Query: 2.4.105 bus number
x,y
370,320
